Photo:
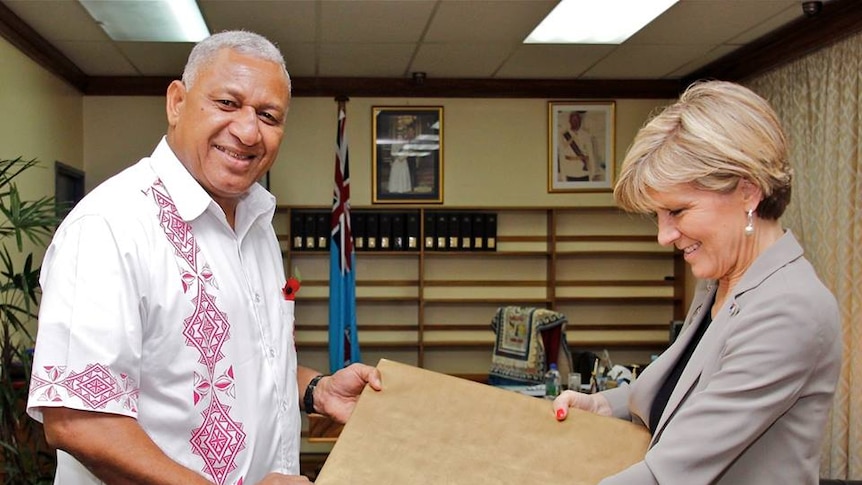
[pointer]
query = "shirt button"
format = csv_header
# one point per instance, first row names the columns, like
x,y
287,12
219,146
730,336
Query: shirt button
x,y
256,298
272,353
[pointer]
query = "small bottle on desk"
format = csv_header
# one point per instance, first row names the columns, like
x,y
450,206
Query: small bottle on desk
x,y
552,382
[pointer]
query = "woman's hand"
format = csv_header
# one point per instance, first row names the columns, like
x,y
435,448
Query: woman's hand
x,y
594,403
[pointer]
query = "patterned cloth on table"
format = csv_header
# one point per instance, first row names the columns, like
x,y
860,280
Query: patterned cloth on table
x,y
527,341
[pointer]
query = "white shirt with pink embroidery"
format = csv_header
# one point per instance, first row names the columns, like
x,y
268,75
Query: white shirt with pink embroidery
x,y
154,308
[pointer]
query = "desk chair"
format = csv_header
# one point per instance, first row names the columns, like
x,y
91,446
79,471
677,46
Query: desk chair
x,y
528,340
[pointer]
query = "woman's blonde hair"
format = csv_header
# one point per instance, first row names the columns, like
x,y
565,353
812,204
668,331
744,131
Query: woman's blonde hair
x,y
717,134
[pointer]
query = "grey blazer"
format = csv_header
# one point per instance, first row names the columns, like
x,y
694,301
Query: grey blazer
x,y
752,403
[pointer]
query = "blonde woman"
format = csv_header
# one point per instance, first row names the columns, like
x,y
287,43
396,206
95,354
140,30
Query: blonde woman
x,y
742,396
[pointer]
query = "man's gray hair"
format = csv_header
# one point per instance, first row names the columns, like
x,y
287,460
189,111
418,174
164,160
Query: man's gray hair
x,y
243,42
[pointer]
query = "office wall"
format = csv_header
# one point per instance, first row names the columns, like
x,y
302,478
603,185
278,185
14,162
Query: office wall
x,y
495,150
41,118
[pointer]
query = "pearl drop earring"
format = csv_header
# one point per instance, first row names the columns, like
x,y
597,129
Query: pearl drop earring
x,y
749,228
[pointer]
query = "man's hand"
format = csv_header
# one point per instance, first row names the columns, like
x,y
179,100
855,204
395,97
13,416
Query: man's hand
x,y
279,479
336,395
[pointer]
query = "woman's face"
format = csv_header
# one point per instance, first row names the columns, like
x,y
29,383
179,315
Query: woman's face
x,y
708,227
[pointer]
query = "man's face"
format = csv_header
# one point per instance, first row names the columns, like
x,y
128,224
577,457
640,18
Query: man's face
x,y
226,129
575,120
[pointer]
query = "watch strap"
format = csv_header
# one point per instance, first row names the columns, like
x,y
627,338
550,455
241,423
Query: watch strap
x,y
308,397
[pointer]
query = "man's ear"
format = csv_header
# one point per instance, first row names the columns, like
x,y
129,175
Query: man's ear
x,y
175,98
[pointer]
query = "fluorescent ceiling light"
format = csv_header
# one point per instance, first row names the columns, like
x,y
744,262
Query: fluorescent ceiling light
x,y
149,20
596,21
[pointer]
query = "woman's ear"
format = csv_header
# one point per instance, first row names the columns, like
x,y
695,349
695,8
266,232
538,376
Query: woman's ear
x,y
175,98
751,193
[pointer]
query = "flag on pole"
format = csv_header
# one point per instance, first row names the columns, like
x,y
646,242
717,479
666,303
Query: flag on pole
x,y
343,342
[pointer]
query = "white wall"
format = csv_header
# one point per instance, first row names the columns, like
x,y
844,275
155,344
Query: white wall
x,y
495,150
41,119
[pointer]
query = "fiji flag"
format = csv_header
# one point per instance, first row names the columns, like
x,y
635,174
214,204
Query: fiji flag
x,y
343,344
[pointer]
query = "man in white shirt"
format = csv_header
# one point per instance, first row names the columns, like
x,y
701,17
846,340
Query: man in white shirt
x,y
576,156
165,350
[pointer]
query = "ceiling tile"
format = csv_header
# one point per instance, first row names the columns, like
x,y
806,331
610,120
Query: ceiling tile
x,y
445,38
97,58
280,21
694,21
644,61
537,61
365,60
487,21
157,58
789,14
58,20
382,21
467,60
300,59
700,61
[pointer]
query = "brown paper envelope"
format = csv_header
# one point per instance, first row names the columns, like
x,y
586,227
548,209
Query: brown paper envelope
x,y
430,428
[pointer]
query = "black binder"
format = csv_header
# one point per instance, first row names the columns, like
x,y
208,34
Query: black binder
x,y
413,239
399,239
478,231
323,230
296,236
385,231
371,230
357,228
308,231
430,230
453,231
491,232
466,230
442,231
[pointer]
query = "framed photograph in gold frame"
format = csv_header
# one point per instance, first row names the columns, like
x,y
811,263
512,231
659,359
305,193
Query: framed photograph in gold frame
x,y
581,146
407,154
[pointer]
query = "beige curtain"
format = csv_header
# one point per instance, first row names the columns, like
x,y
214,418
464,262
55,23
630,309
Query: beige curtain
x,y
819,100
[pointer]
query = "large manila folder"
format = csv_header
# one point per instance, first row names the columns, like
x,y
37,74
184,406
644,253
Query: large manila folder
x,y
430,428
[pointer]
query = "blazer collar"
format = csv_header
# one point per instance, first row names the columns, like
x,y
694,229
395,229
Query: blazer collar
x,y
783,252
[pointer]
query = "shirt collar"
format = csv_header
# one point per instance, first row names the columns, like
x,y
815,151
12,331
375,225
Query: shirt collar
x,y
192,200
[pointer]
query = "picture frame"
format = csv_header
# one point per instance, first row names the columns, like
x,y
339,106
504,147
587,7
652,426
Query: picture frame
x,y
581,141
407,154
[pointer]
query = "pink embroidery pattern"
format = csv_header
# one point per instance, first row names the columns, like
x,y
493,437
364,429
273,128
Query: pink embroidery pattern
x,y
220,438
96,386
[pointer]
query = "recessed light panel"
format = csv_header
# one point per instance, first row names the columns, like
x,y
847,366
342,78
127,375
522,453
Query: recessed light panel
x,y
596,21
149,20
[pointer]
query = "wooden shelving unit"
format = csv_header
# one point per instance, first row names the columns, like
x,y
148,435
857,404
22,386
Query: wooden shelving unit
x,y
599,266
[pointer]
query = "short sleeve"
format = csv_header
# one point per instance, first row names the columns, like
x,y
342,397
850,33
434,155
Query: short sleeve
x,y
88,345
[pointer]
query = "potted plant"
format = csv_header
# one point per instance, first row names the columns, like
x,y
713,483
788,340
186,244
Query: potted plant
x,y
24,456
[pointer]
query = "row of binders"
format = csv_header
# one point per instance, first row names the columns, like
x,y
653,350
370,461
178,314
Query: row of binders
x,y
399,230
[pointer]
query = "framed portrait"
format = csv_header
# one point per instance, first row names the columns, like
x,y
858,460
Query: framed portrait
x,y
407,154
581,146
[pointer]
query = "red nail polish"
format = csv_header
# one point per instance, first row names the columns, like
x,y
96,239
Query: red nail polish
x,y
561,413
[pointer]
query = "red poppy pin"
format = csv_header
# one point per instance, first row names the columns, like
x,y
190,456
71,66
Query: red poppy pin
x,y
291,287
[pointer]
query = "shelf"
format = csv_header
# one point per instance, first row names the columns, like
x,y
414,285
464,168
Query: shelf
x,y
496,283
497,301
614,254
623,300
601,267
404,253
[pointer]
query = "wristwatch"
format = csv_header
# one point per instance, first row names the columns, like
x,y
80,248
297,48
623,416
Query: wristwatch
x,y
308,398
